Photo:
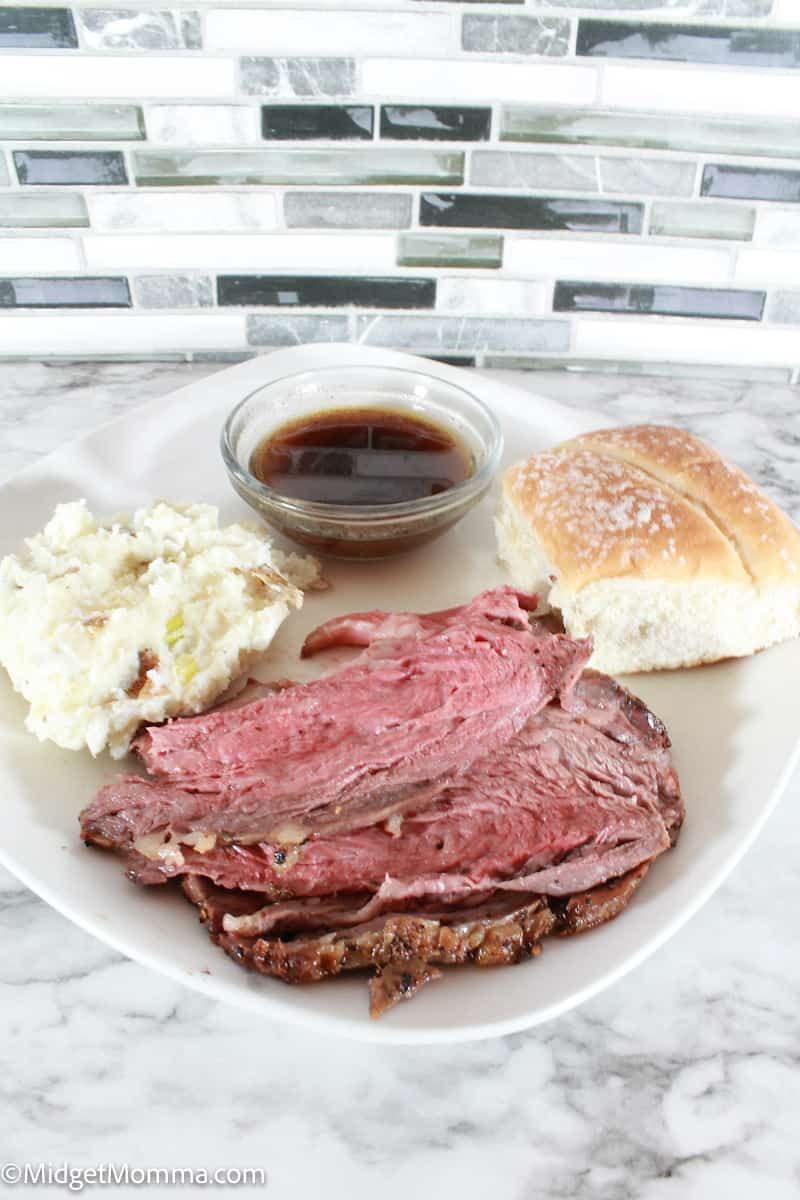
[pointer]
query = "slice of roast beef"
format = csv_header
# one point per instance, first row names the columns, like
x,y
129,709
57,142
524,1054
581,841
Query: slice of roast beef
x,y
570,802
376,737
418,659
499,932
503,604
642,738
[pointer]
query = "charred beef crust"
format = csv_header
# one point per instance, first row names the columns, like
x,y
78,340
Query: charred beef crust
x,y
587,910
409,938
398,981
393,939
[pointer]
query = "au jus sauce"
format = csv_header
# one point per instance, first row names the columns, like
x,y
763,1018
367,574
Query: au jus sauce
x,y
361,456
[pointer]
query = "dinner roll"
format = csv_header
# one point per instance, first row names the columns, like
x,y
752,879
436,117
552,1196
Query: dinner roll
x,y
649,541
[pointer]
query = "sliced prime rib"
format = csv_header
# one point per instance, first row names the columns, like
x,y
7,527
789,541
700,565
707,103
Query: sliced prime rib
x,y
493,795
499,932
426,698
571,802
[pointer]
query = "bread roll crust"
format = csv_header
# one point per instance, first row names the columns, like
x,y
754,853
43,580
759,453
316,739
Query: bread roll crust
x,y
647,539
596,517
764,538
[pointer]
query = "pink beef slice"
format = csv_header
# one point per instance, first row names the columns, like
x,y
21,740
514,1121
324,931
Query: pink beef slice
x,y
427,697
568,803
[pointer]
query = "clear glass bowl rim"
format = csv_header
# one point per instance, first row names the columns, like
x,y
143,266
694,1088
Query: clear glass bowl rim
x,y
427,505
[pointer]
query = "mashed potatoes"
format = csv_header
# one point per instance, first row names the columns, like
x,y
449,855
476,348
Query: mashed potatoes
x,y
106,626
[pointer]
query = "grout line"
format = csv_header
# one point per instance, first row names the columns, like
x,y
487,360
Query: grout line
x,y
572,38
81,249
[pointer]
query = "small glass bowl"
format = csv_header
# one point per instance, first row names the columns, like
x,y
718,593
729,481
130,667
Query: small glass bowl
x,y
361,530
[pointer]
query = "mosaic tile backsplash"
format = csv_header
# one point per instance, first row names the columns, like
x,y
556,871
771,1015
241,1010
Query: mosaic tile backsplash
x,y
612,184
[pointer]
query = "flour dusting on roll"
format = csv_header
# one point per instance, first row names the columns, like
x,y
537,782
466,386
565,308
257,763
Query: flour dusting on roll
x,y
645,538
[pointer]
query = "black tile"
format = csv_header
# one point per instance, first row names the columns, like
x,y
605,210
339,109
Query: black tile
x,y
288,291
423,122
661,299
464,210
337,122
69,166
750,183
690,43
65,293
38,28
452,360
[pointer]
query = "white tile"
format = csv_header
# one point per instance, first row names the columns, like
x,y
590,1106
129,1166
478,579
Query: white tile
x,y
279,252
202,124
531,83
767,266
298,32
777,227
480,295
113,334
615,260
195,211
669,88
38,254
681,341
113,77
784,12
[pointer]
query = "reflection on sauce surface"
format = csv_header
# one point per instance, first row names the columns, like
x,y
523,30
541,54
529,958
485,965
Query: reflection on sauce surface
x,y
361,456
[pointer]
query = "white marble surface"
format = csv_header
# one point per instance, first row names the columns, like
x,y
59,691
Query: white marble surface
x,y
680,1083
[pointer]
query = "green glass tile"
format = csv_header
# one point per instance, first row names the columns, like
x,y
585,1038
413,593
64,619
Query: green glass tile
x,y
37,28
718,134
428,250
704,220
298,166
42,210
720,45
71,122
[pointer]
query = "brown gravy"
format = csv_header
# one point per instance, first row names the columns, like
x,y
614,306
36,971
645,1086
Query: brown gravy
x,y
361,456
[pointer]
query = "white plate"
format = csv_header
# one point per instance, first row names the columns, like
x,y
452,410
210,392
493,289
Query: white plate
x,y
734,735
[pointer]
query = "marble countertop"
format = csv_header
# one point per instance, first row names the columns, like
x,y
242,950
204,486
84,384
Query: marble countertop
x,y
682,1081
